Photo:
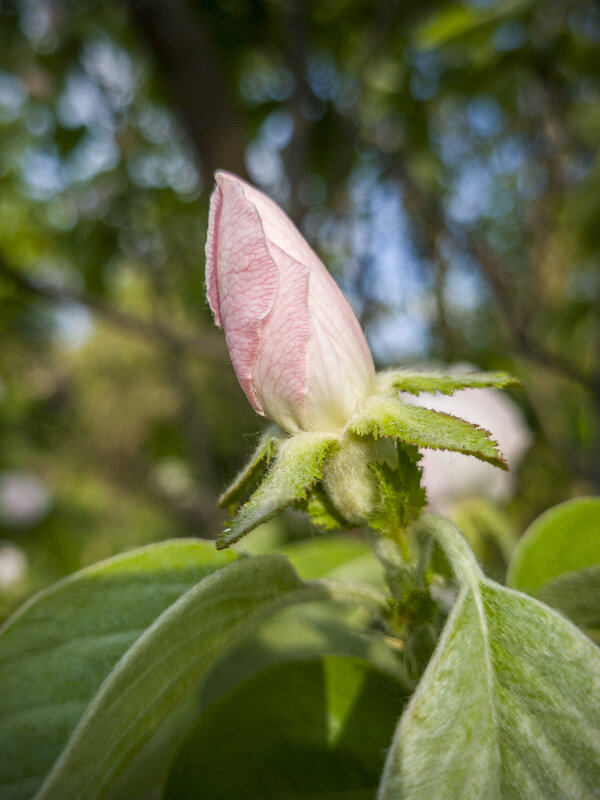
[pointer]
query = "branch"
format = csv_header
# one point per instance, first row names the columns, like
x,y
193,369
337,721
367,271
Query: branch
x,y
297,152
186,59
210,346
522,341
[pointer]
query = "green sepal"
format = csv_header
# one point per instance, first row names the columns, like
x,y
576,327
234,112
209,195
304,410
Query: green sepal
x,y
401,496
322,511
252,473
441,382
295,470
382,415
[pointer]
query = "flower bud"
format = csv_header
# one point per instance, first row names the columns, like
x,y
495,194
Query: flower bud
x,y
296,346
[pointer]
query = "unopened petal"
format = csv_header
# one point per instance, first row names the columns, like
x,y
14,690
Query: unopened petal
x,y
278,227
341,371
281,373
212,244
297,348
246,280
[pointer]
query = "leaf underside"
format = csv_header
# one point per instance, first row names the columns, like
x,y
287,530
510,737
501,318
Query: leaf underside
x,y
161,667
296,469
389,416
58,649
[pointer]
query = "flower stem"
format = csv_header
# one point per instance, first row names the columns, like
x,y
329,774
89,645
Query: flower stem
x,y
351,592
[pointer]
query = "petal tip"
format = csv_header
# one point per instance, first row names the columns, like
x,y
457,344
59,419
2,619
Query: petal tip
x,y
212,244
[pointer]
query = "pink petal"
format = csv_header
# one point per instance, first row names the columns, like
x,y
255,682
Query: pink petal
x,y
241,277
341,371
212,280
278,227
281,374
297,348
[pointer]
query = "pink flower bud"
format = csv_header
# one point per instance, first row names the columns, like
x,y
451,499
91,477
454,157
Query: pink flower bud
x,y
296,346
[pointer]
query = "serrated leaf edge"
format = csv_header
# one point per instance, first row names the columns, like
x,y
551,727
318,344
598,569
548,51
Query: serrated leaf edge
x,y
484,380
497,461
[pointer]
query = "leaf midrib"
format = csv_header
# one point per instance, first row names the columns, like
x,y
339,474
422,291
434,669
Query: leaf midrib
x,y
239,630
234,634
490,673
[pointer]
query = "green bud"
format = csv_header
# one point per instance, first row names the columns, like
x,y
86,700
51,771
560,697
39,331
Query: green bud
x,y
349,481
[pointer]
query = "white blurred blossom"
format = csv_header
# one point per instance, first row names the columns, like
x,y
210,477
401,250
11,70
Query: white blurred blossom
x,y
13,565
450,476
24,499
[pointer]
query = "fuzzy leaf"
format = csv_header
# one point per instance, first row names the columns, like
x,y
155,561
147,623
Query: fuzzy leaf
x,y
507,708
57,650
440,382
295,470
251,474
389,416
154,675
300,632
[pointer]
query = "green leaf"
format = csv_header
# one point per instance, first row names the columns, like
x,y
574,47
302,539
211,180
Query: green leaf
x,y
317,557
56,651
504,709
314,729
400,494
577,596
389,416
563,539
295,470
251,474
558,561
150,680
304,631
364,569
447,25
342,557
456,21
440,382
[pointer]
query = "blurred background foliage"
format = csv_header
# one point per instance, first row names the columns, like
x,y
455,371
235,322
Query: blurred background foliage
x,y
442,157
